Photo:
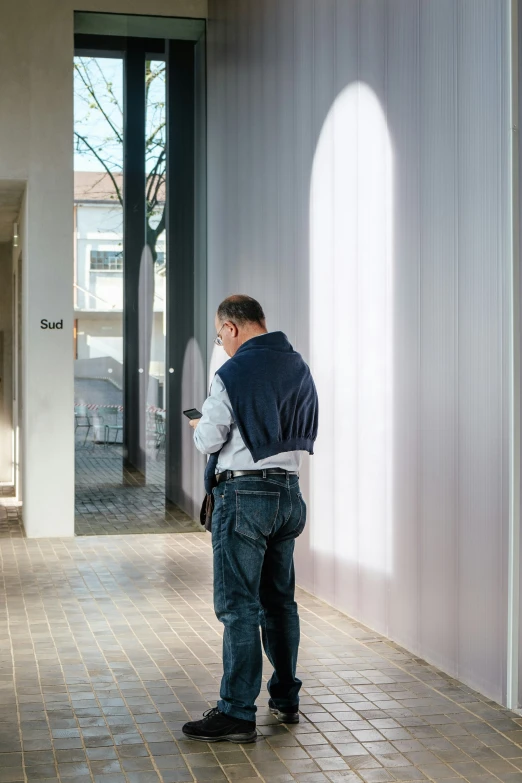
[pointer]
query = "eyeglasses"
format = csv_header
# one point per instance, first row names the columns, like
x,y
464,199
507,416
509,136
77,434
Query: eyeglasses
x,y
217,339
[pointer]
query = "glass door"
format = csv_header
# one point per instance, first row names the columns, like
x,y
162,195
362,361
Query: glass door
x,y
133,292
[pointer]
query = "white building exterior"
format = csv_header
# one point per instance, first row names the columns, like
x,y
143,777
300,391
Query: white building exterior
x,y
98,282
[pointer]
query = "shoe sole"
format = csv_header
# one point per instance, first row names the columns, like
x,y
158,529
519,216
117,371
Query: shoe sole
x,y
285,717
237,738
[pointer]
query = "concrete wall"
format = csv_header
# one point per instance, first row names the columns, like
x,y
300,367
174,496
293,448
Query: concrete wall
x,y
36,123
359,187
101,367
101,335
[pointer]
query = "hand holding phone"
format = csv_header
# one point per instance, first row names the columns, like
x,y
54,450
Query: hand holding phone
x,y
192,413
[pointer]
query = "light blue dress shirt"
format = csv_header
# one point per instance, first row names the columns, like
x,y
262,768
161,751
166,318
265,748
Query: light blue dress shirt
x,y
217,427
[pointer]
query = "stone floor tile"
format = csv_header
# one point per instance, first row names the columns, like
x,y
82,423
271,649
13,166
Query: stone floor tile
x,y
11,775
176,776
241,772
119,646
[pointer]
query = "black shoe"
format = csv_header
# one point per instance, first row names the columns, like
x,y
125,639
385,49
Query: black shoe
x,y
290,715
215,726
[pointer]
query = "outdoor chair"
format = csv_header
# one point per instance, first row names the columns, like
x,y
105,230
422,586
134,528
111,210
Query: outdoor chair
x,y
159,418
82,420
113,425
107,423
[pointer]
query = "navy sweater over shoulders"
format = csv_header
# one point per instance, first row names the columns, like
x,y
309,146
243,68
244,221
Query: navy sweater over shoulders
x,y
273,398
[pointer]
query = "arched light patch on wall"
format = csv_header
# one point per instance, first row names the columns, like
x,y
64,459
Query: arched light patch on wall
x,y
351,333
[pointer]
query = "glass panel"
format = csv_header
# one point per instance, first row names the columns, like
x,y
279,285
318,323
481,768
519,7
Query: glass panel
x,y
98,280
156,240
120,487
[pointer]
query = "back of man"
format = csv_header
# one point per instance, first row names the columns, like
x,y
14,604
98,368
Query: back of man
x,y
260,417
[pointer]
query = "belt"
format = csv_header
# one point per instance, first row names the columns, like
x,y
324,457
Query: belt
x,y
229,474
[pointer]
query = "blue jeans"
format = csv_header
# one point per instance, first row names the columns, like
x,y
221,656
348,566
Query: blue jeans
x,y
254,526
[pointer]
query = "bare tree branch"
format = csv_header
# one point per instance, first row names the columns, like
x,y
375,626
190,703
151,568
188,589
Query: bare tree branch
x,y
148,81
108,85
154,233
85,77
154,133
100,159
97,92
159,183
154,174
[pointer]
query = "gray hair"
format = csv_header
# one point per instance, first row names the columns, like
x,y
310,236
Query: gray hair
x,y
241,309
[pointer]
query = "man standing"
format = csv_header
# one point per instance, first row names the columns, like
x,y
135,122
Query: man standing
x,y
260,416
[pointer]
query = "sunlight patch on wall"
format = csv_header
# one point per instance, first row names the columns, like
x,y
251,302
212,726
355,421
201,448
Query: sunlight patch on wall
x,y
351,332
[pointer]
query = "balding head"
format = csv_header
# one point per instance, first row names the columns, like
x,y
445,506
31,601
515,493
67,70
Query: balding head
x,y
238,319
241,309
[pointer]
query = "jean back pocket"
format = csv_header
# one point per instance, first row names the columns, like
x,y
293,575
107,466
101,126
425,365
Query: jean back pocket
x,y
256,512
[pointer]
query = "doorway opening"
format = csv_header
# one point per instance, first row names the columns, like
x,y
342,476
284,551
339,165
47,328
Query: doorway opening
x,y
138,278
11,209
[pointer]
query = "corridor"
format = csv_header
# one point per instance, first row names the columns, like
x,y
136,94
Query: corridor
x,y
109,644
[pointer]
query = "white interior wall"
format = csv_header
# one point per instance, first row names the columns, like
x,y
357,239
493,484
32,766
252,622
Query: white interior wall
x,y
359,187
6,364
36,122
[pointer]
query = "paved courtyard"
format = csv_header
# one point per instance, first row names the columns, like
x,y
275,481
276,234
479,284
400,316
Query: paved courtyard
x,y
112,500
108,644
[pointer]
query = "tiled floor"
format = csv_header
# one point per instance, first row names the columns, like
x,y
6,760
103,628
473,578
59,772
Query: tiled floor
x,y
7,491
10,514
112,510
111,500
108,644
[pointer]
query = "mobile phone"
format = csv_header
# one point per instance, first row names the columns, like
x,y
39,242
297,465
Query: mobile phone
x,y
192,413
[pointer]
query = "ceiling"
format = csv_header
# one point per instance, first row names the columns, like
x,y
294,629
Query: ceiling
x,y
11,192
